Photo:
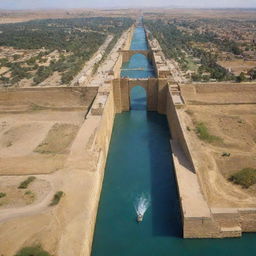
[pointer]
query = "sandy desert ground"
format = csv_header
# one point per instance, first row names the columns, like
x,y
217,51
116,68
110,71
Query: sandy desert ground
x,y
238,66
234,125
37,128
8,16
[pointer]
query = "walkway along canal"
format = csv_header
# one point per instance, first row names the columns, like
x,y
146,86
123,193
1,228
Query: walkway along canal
x,y
139,163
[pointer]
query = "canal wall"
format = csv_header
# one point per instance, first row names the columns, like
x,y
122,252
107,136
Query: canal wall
x,y
155,90
219,93
119,61
195,213
199,219
84,173
55,98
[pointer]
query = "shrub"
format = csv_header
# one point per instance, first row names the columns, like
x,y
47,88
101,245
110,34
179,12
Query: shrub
x,y
245,177
30,195
226,154
203,134
241,77
28,192
16,56
24,184
32,251
42,74
2,194
56,199
67,77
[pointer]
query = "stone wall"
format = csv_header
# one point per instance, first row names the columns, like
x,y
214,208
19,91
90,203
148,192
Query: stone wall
x,y
128,40
155,91
84,175
48,97
199,220
127,54
119,61
117,67
196,223
243,218
219,93
248,219
156,88
176,129
224,87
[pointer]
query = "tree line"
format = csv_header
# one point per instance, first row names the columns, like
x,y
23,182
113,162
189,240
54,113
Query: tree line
x,y
75,39
178,45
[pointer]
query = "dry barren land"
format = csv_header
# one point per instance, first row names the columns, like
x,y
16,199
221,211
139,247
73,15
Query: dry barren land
x,y
228,113
37,128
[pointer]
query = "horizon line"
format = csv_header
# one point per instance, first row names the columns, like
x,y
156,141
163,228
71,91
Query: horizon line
x,y
125,8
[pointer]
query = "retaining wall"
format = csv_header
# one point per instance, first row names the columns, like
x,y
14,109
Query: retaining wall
x,y
199,220
225,87
84,176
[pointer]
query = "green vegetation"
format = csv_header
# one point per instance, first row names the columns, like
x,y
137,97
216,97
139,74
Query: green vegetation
x,y
75,41
24,184
2,194
35,107
30,195
245,177
56,199
209,65
241,77
179,45
28,192
225,154
203,133
33,251
41,74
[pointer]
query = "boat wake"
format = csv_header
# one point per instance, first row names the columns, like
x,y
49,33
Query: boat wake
x,y
141,205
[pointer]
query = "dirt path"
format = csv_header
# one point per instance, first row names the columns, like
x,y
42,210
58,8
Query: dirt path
x,y
10,213
176,72
84,77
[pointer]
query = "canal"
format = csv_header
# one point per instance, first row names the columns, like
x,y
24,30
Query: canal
x,y
139,164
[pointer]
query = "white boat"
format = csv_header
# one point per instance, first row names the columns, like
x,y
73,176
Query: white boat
x,y
139,218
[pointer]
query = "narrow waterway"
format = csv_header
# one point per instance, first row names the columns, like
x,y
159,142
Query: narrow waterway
x,y
139,162
138,61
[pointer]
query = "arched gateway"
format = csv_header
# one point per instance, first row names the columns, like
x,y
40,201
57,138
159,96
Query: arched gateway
x,y
155,91
138,98
127,54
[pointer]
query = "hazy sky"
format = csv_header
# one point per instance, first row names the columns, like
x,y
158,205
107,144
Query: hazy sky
x,y
31,4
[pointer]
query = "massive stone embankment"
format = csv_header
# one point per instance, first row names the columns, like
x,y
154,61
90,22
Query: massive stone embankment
x,y
200,220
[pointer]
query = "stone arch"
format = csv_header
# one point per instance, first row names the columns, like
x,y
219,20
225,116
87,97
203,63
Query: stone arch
x,y
127,55
141,60
144,53
139,83
155,92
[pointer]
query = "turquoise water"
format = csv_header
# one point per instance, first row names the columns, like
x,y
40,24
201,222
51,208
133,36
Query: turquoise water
x,y
139,42
139,161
